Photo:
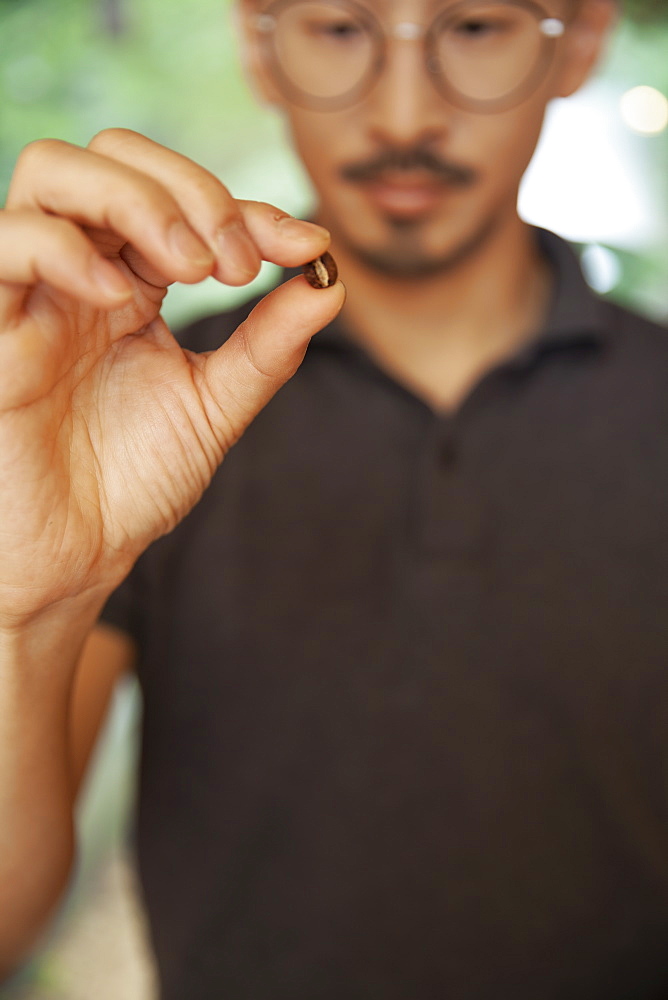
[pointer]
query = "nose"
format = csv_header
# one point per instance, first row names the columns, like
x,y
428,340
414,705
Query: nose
x,y
404,106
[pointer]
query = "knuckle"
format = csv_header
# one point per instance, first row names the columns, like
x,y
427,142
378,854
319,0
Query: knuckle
x,y
31,169
144,199
109,139
33,155
267,377
205,188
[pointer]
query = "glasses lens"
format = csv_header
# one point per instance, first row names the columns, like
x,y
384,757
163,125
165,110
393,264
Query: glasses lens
x,y
487,51
323,50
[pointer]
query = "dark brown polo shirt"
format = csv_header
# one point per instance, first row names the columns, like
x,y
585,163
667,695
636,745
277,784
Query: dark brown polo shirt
x,y
406,683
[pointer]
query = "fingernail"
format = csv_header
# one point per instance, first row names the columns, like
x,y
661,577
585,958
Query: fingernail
x,y
109,279
296,229
187,245
238,250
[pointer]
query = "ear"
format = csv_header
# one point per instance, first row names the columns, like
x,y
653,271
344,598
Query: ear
x,y
584,42
252,53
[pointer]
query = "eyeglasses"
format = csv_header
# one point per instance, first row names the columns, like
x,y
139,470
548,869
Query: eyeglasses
x,y
482,55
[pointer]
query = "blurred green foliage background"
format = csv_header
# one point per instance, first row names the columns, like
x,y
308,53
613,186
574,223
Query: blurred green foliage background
x,y
169,69
166,68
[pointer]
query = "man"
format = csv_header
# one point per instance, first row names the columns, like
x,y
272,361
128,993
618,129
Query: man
x,y
404,664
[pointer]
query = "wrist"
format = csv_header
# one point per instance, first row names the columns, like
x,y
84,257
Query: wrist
x,y
54,632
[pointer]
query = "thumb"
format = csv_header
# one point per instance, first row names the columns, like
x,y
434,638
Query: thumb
x,y
264,352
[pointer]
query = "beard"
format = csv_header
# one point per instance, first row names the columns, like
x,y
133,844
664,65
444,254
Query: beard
x,y
406,252
405,256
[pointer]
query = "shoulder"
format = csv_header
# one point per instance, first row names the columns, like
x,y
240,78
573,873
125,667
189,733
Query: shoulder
x,y
633,383
638,328
640,344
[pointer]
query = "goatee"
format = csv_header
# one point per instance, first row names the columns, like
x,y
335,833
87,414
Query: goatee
x,y
404,256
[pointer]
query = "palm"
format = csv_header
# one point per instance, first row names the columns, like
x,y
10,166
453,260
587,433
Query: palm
x,y
103,451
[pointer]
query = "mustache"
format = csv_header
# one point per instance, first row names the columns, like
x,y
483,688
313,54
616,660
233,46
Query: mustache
x,y
417,158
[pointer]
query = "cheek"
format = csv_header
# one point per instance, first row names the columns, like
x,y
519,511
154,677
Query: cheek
x,y
317,142
511,140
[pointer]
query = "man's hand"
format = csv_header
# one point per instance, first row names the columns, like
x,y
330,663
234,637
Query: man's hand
x,y
109,431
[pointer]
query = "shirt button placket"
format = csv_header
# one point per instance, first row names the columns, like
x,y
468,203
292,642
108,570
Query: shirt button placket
x,y
450,510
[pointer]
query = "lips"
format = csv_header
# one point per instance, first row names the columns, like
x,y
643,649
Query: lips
x,y
404,196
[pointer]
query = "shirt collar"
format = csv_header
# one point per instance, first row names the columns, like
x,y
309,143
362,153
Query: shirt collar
x,y
575,311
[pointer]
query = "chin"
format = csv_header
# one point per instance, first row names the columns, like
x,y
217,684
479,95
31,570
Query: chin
x,y
400,265
407,251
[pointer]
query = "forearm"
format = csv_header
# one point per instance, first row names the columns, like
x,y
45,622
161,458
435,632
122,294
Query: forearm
x,y
37,843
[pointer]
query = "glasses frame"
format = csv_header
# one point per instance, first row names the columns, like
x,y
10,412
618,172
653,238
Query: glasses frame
x,y
551,29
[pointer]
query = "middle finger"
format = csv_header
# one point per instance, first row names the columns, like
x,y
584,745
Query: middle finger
x,y
96,192
210,208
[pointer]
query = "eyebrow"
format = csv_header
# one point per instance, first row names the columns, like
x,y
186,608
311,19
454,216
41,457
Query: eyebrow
x,y
385,8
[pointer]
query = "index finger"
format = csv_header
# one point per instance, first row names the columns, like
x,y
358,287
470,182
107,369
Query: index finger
x,y
240,233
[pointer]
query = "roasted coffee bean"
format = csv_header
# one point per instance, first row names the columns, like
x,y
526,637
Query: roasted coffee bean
x,y
321,272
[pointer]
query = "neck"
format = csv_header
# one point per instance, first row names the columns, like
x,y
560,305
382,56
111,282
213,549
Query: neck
x,y
440,334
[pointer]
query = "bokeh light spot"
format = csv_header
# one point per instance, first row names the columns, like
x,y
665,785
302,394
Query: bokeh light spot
x,y
644,110
601,267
